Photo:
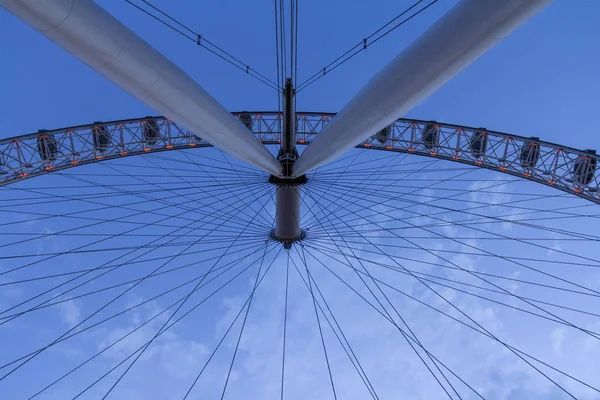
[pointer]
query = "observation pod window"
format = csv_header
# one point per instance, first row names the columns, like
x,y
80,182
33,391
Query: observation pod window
x,y
383,135
101,138
584,168
530,153
47,146
430,136
246,119
479,142
150,132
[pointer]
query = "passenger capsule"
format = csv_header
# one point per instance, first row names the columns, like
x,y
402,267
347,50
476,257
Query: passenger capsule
x,y
246,119
46,146
584,168
150,131
530,153
383,135
101,137
479,142
430,136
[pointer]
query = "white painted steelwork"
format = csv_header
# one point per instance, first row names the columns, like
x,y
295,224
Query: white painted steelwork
x,y
99,40
466,32
555,165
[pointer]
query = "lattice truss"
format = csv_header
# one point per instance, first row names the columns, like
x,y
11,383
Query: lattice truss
x,y
565,168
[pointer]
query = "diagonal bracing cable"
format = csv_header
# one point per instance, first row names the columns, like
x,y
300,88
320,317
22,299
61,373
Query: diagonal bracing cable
x,y
404,334
471,319
474,328
178,308
204,43
342,339
365,43
103,307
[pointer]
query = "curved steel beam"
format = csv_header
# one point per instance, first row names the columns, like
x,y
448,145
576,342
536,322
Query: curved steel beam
x,y
466,32
570,170
99,40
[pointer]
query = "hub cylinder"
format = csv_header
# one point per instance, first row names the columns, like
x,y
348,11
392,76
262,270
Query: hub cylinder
x,y
287,217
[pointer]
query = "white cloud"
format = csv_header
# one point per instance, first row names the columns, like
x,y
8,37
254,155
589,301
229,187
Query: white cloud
x,y
70,312
558,336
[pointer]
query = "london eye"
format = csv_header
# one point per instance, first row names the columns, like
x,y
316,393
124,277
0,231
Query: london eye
x,y
199,252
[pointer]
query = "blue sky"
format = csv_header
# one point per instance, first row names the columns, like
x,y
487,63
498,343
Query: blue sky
x,y
541,81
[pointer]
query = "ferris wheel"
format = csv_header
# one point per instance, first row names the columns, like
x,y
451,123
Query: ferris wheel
x,y
290,254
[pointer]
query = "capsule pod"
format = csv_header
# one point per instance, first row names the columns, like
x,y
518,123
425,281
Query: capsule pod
x,y
530,153
584,168
46,146
150,132
430,136
101,138
246,119
478,144
383,135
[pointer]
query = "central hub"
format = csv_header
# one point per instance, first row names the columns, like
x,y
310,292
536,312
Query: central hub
x,y
287,210
287,202
288,181
287,243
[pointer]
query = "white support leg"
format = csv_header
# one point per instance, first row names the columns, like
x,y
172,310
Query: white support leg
x,y
466,32
99,40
